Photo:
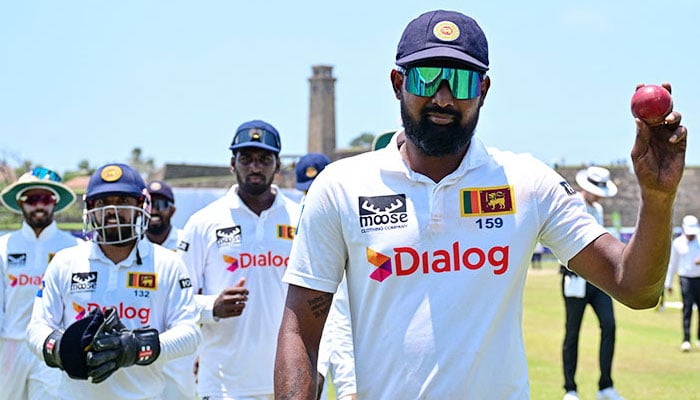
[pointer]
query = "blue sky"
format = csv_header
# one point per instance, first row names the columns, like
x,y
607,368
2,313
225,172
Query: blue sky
x,y
94,79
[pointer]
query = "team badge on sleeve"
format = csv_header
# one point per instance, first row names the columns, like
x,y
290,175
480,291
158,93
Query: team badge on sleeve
x,y
184,246
185,283
569,190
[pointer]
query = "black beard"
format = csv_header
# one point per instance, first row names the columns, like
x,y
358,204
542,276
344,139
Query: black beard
x,y
254,189
112,235
38,223
438,140
157,229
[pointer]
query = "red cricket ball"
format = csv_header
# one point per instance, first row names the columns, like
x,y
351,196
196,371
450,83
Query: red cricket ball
x,y
652,103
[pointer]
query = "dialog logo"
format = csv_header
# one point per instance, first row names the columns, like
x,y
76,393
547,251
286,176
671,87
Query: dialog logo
x,y
406,261
383,264
381,213
24,280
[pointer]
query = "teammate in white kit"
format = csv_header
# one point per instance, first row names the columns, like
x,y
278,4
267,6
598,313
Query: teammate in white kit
x,y
179,373
147,285
435,233
24,255
237,248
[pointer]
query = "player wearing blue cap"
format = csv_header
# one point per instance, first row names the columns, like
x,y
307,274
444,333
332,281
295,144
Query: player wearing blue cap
x,y
116,301
237,248
435,232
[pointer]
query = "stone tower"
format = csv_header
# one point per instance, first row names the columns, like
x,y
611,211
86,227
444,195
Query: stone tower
x,y
321,137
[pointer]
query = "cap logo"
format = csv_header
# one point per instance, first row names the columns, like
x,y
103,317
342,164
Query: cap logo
x,y
255,134
311,172
156,186
111,173
446,31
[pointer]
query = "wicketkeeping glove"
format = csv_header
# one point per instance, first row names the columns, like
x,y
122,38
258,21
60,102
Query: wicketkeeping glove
x,y
114,347
66,350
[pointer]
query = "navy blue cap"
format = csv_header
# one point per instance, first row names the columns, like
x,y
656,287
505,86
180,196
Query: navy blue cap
x,y
115,180
258,134
308,167
161,188
443,35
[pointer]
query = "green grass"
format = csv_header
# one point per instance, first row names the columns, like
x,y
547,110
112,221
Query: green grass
x,y
647,364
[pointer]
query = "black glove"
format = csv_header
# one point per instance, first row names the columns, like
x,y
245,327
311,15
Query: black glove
x,y
52,349
114,347
66,349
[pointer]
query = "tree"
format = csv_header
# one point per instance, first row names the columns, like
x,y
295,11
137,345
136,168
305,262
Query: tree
x,y
144,167
364,140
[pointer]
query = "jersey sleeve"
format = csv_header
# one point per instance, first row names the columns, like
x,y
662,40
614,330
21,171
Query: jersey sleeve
x,y
567,228
192,250
47,312
319,253
181,336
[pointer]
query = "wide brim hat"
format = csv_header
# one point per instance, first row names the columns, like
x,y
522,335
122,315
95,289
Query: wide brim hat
x,y
596,180
43,179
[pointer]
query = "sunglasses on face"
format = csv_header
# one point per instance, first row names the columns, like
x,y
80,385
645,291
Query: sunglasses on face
x,y
44,173
161,204
425,81
35,199
256,135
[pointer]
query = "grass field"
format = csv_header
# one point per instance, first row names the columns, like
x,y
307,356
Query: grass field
x,y
647,365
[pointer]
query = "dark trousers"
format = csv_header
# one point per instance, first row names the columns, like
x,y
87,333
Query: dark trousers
x,y
690,292
603,308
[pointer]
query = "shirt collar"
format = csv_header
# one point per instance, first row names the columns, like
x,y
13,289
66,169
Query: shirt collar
x,y
45,234
476,156
144,247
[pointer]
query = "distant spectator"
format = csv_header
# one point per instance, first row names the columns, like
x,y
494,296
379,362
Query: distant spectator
x,y
685,261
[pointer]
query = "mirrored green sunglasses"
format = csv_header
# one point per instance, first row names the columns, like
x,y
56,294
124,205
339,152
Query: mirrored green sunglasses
x,y
425,81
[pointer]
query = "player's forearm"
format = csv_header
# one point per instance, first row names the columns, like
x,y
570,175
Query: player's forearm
x,y
645,258
295,368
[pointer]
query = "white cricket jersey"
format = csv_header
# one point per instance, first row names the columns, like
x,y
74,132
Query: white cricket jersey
x,y
222,243
173,239
179,373
436,271
156,293
683,259
24,258
336,356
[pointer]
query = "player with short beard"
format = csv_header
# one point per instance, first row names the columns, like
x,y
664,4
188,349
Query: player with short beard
x,y
435,287
24,256
143,288
236,248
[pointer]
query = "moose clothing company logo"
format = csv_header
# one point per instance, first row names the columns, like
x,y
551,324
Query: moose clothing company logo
x,y
408,261
380,213
228,236
83,282
16,260
487,201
